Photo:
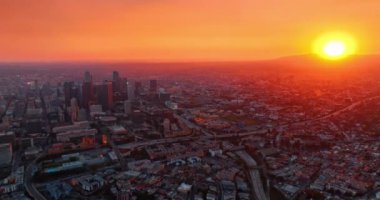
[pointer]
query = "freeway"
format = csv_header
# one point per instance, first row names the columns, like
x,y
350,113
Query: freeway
x,y
155,142
335,113
255,180
29,186
193,125
350,107
208,135
32,167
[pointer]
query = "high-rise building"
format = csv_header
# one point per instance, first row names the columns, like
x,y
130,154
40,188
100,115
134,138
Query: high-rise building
x,y
116,81
105,94
109,94
74,109
87,94
123,89
67,90
153,86
70,91
87,90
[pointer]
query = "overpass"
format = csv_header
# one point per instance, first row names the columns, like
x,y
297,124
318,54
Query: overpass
x,y
254,175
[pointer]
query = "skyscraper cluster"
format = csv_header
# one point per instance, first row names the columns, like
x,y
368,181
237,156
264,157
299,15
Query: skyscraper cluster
x,y
79,96
87,93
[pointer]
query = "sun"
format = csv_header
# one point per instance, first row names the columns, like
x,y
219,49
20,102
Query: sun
x,y
335,49
334,45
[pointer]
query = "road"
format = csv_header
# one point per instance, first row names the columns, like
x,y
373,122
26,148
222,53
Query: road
x,y
193,125
209,135
29,186
117,152
32,167
135,145
254,175
335,113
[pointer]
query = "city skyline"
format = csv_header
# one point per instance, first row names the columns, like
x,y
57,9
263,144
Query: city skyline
x,y
189,100
198,134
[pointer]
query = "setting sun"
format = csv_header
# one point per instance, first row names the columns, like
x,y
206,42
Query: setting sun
x,y
334,46
335,49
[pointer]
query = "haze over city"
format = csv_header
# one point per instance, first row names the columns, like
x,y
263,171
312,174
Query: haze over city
x,y
189,100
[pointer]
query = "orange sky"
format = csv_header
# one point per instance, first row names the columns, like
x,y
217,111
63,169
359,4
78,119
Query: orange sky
x,y
178,30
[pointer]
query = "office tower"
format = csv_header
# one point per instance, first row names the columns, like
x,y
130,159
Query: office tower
x,y
74,109
70,91
153,86
98,89
75,92
124,88
87,94
116,81
105,94
67,91
87,90
109,94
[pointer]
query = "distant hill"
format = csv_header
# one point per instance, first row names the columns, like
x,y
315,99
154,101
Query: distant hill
x,y
307,62
312,61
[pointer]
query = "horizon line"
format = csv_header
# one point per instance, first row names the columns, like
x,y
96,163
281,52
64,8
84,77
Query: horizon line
x,y
163,61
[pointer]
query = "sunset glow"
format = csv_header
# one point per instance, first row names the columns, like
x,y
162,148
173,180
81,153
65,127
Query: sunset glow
x,y
189,99
335,45
177,30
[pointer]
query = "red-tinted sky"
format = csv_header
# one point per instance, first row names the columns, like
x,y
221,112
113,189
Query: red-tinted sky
x,y
176,30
